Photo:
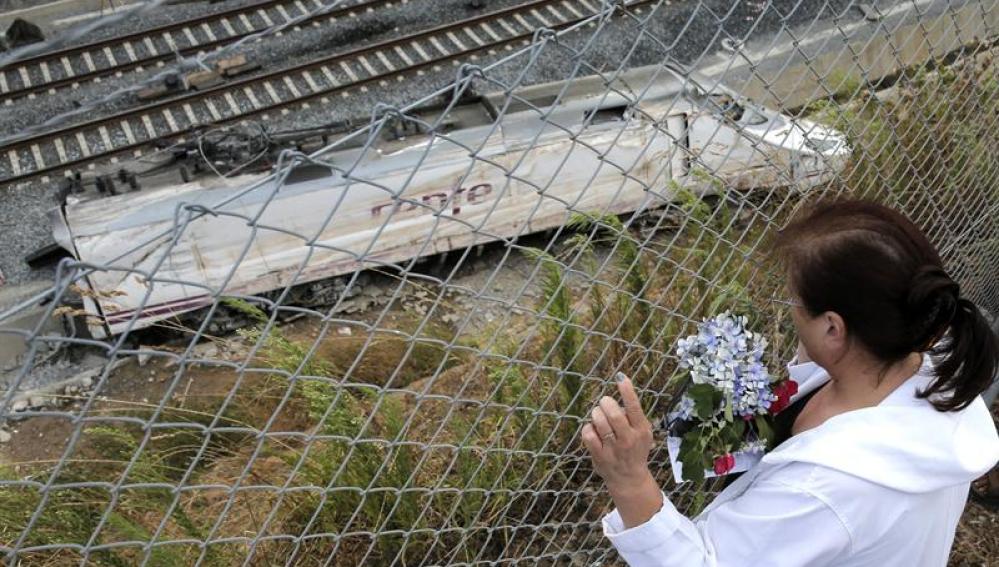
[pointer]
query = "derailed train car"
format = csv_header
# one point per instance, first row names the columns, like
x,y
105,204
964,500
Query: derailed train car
x,y
422,195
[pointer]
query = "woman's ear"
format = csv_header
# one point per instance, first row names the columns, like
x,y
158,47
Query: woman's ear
x,y
835,330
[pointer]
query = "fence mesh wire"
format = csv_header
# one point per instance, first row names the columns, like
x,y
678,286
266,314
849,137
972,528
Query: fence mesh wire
x,y
389,362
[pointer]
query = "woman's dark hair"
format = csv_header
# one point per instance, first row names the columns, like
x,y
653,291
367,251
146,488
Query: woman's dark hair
x,y
876,269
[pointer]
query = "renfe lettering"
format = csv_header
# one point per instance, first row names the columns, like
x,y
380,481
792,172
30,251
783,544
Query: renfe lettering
x,y
437,200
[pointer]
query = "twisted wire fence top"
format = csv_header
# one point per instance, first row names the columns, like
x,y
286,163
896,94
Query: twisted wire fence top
x,y
389,363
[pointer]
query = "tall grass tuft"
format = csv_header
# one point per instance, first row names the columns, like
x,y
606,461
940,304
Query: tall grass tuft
x,y
562,332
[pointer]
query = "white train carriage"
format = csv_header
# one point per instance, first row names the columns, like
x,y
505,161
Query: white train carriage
x,y
425,195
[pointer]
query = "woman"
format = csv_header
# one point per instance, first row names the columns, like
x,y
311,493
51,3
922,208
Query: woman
x,y
879,459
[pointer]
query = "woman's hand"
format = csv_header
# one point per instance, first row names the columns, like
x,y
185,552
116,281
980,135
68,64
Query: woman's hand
x,y
619,441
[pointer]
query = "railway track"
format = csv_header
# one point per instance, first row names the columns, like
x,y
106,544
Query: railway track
x,y
76,65
61,151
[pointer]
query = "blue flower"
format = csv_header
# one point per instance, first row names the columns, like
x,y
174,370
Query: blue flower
x,y
729,357
684,410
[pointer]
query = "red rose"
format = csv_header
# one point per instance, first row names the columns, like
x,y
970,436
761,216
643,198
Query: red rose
x,y
774,407
781,401
792,388
783,391
724,463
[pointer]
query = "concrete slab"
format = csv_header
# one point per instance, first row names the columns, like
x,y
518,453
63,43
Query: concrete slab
x,y
796,67
19,315
54,15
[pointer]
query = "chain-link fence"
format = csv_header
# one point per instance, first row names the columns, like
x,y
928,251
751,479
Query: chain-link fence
x,y
383,353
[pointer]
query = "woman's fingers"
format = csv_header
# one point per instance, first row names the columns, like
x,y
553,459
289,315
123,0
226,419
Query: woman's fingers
x,y
632,407
601,425
592,439
609,417
612,411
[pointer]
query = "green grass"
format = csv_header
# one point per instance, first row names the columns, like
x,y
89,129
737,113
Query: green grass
x,y
927,150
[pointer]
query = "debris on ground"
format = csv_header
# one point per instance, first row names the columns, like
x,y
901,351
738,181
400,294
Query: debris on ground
x,y
20,33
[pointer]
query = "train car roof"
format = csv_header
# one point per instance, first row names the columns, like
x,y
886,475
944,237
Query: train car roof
x,y
657,92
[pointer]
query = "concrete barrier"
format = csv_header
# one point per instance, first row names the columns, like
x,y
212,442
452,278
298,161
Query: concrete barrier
x,y
46,15
12,344
800,66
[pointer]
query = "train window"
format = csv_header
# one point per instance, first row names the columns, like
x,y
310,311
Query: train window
x,y
396,129
307,172
518,104
402,130
608,114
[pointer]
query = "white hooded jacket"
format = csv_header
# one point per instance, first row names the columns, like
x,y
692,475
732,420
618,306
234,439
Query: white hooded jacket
x,y
882,486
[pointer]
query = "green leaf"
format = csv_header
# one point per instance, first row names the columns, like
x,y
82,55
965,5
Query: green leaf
x,y
705,397
739,427
693,468
715,307
687,452
692,454
728,408
692,436
766,432
730,435
707,460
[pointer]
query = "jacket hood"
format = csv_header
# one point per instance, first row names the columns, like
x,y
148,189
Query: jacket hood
x,y
903,443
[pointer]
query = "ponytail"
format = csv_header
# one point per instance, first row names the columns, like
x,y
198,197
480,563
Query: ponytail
x,y
931,305
967,360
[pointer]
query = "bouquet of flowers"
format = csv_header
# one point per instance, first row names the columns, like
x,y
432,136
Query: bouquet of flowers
x,y
721,423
